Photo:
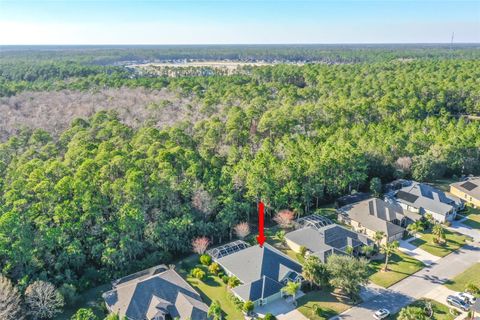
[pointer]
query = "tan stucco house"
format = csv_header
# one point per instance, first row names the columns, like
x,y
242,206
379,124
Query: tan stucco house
x,y
468,191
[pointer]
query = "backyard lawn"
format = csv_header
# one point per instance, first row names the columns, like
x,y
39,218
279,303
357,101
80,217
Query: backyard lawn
x,y
400,266
473,217
212,288
320,305
454,241
89,299
471,275
444,183
440,311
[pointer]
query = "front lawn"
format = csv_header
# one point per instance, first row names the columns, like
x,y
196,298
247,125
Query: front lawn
x,y
473,217
321,305
471,275
400,266
440,311
453,242
211,288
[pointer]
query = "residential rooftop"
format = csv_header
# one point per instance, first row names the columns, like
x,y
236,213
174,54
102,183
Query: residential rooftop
x,y
470,186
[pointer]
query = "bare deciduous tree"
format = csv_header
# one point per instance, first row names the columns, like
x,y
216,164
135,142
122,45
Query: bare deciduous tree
x,y
242,230
202,201
404,164
10,301
284,218
43,300
200,245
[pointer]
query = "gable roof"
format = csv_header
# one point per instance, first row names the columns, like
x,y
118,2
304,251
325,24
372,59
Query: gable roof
x,y
157,295
327,240
260,269
470,187
421,195
376,214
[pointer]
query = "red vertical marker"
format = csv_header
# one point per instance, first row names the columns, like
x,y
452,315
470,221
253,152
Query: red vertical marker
x,y
261,218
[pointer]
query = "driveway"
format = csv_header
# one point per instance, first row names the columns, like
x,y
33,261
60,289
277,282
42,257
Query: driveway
x,y
282,309
417,285
459,227
417,253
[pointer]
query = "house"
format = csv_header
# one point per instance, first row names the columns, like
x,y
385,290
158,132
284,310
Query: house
x,y
326,240
468,190
376,215
425,199
158,293
263,271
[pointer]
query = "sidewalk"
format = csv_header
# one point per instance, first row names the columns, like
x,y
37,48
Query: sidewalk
x,y
417,253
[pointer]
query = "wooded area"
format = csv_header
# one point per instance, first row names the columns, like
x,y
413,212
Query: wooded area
x,y
107,197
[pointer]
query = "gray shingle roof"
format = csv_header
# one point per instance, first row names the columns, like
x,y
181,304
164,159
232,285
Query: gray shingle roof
x,y
427,197
157,295
376,214
326,240
260,269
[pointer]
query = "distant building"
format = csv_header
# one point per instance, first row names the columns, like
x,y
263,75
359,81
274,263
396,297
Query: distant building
x,y
263,271
376,215
468,191
157,293
425,199
323,241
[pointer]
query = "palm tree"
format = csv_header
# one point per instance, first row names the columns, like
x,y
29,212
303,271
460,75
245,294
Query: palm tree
x,y
314,271
349,250
291,289
368,251
378,237
415,228
411,313
387,249
439,233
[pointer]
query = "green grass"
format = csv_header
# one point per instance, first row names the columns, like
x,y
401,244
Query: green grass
x,y
471,275
211,288
444,183
89,299
473,217
329,305
453,241
400,266
440,311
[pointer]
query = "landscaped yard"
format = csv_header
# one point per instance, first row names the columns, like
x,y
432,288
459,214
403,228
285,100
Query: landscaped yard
x,y
454,241
400,266
471,275
444,183
320,305
212,288
440,311
473,217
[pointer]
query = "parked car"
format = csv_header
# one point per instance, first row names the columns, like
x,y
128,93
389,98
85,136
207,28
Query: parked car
x,y
467,297
457,302
381,314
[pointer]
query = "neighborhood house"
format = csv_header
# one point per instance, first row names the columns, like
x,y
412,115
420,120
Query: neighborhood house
x,y
376,215
324,240
468,190
158,293
263,271
424,199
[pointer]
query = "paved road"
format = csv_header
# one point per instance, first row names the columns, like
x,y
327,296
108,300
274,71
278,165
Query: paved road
x,y
417,285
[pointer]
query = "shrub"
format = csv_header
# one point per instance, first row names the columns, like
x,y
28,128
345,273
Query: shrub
x,y
235,301
205,259
214,268
198,273
303,251
248,306
225,279
233,282
472,288
269,316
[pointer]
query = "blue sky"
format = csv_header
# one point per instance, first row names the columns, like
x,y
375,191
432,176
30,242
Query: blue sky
x,y
231,22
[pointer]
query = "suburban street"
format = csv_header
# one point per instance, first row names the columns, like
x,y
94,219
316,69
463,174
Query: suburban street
x,y
418,285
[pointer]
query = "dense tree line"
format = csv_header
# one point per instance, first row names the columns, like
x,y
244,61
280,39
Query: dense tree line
x,y
104,198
